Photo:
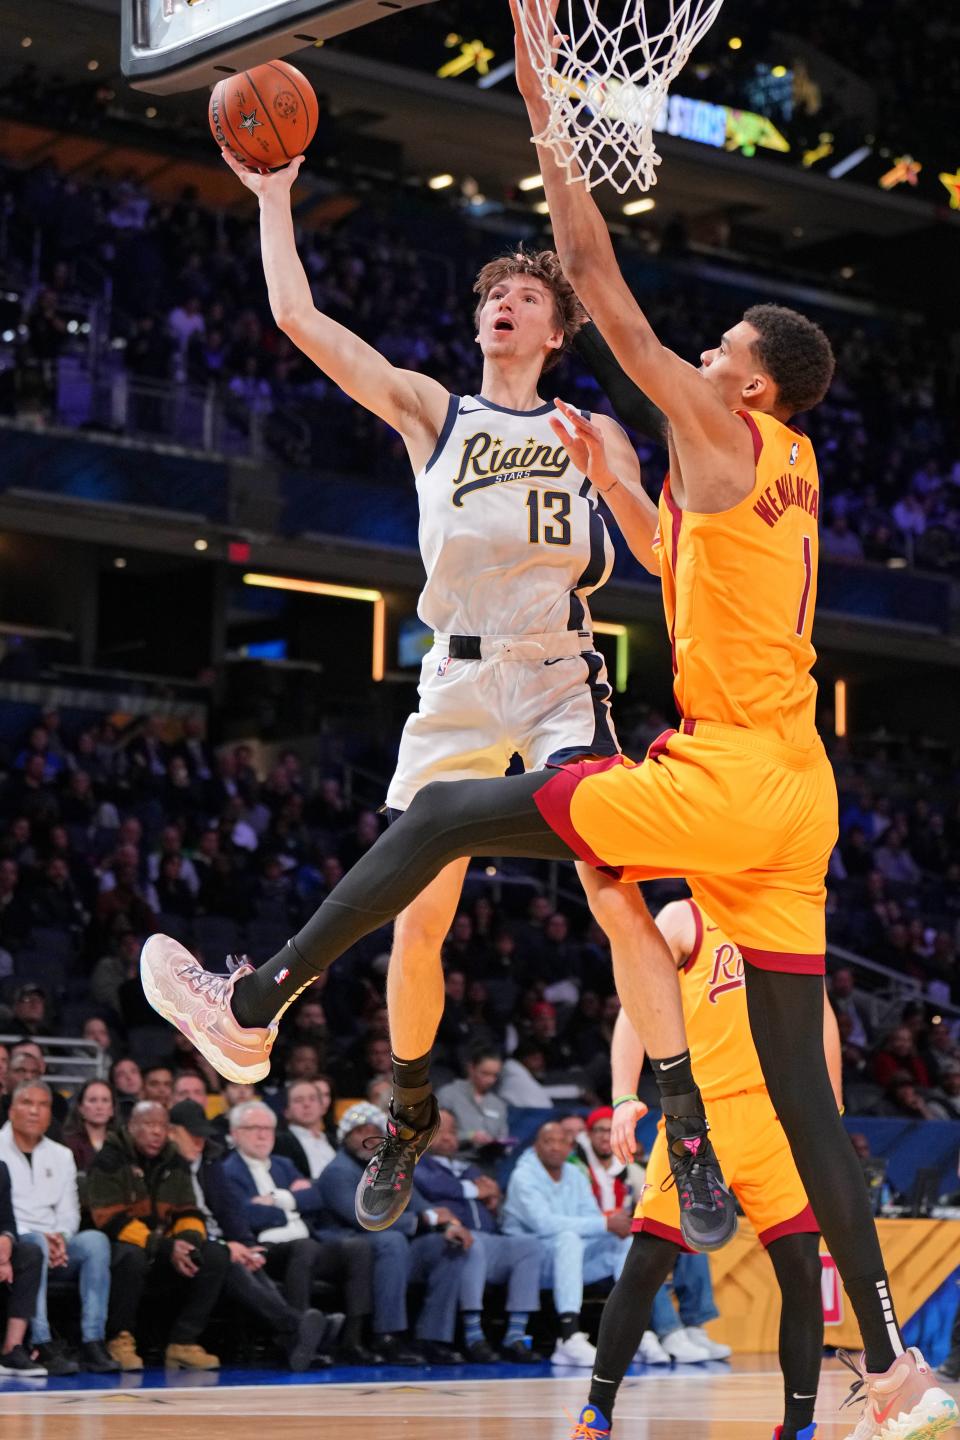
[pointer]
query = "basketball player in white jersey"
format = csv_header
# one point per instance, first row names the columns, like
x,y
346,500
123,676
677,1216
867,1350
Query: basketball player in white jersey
x,y
513,543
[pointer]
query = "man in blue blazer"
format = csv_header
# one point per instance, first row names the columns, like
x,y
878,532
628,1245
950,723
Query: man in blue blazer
x,y
513,1260
266,1203
427,1244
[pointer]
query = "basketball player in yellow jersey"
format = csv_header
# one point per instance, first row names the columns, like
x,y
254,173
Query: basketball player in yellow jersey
x,y
756,1160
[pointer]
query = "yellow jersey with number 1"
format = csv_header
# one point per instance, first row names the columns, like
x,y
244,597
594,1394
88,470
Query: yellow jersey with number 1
x,y
740,589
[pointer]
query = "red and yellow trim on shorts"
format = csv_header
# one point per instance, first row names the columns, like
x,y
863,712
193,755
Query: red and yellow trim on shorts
x,y
803,1224
554,799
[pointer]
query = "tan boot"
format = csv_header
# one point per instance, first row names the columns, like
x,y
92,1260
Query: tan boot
x,y
123,1349
190,1357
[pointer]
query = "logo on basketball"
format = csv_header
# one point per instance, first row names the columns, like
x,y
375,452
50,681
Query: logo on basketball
x,y
286,104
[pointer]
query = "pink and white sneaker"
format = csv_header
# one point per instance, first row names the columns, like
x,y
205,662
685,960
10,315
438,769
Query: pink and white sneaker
x,y
904,1403
198,1003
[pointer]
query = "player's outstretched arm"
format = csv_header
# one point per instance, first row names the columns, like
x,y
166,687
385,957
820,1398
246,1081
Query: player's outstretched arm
x,y
587,256
603,452
415,405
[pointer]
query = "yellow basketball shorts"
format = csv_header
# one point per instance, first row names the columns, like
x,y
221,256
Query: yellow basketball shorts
x,y
757,1164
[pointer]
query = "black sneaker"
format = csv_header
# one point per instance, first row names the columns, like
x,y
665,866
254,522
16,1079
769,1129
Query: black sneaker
x,y
384,1190
398,1350
18,1362
96,1358
481,1353
708,1216
438,1352
521,1352
306,1340
55,1359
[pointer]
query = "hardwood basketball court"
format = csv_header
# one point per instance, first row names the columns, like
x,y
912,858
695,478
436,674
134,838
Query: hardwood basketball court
x,y
719,1402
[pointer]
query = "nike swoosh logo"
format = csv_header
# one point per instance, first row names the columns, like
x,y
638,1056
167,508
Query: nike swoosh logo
x,y
558,659
475,411
881,1415
803,1397
672,1064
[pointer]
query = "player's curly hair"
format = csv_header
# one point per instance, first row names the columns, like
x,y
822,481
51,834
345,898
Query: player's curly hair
x,y
543,265
795,353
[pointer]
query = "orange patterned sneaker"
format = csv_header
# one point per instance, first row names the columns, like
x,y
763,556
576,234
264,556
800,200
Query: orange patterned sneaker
x,y
904,1403
198,1003
592,1425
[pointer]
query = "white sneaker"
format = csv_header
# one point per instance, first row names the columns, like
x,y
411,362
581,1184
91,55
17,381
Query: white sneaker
x,y
714,1349
651,1352
575,1351
685,1351
904,1403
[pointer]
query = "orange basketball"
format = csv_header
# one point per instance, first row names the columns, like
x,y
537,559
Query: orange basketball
x,y
264,116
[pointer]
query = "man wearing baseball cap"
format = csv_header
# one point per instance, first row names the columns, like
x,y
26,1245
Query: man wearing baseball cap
x,y
301,1336
426,1244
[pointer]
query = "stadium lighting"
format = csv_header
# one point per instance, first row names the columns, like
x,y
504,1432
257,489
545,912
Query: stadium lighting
x,y
850,162
440,182
93,64
26,42
639,207
200,544
735,43
531,182
622,664
778,72
337,592
542,208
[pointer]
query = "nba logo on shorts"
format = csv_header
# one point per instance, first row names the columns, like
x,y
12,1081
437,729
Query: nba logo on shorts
x,y
442,667
281,975
794,452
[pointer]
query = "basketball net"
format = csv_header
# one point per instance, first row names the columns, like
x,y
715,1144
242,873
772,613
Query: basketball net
x,y
606,81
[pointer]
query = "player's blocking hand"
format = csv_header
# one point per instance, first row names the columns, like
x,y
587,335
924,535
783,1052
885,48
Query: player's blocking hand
x,y
277,182
623,1132
585,445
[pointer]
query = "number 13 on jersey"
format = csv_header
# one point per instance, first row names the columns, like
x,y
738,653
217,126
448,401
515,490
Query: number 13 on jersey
x,y
552,528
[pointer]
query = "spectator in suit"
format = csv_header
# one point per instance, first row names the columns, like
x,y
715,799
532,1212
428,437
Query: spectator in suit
x,y
46,1203
194,748
299,1334
148,755
307,1138
548,1198
21,1271
480,1114
269,1203
140,1194
425,1245
511,1260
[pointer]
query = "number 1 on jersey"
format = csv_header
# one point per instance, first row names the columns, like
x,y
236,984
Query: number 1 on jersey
x,y
556,527
807,579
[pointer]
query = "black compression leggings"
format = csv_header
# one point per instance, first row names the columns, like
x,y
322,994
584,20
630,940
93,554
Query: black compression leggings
x,y
448,820
626,1316
786,1019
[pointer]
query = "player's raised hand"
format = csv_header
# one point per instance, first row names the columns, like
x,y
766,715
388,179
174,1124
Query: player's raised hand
x,y
585,445
278,181
623,1131
542,31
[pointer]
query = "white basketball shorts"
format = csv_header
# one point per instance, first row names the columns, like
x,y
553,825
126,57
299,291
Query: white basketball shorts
x,y
541,696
